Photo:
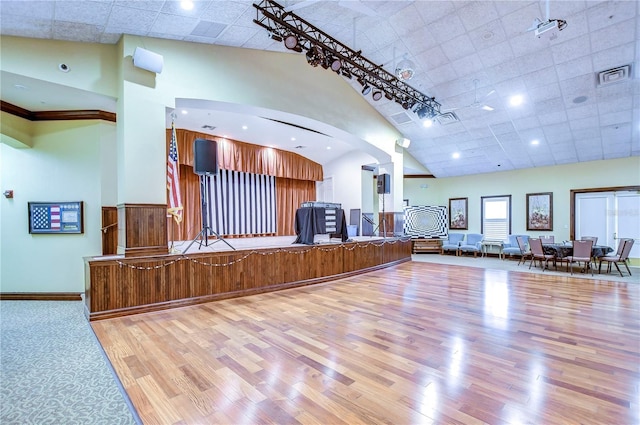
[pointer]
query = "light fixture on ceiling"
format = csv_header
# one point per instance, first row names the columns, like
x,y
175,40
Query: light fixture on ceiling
x,y
405,69
291,42
321,49
516,100
186,4
64,67
377,95
366,89
404,142
427,123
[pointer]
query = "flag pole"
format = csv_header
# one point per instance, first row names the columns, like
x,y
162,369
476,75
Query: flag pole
x,y
173,184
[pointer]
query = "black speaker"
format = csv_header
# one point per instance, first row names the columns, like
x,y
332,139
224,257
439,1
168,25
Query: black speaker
x,y
384,183
205,156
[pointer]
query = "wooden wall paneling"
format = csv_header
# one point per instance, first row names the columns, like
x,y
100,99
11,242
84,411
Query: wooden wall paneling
x,y
109,230
398,250
142,229
125,285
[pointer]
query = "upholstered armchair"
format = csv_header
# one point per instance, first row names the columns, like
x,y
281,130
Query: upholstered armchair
x,y
511,246
473,243
452,244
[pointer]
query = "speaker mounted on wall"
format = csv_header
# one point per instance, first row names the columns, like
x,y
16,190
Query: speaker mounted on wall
x,y
205,156
148,60
384,184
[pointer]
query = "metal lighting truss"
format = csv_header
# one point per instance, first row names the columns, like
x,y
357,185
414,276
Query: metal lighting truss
x,y
324,50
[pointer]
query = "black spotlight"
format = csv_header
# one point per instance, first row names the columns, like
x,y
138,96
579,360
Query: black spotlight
x,y
291,42
366,89
377,95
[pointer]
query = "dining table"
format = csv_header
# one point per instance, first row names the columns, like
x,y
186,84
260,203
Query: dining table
x,y
565,249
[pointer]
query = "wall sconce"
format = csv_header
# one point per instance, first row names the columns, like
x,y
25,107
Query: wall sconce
x,y
404,142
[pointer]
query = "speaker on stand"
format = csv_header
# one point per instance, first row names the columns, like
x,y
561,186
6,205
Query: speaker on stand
x,y
384,187
205,163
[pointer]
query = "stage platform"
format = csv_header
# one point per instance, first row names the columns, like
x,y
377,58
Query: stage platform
x,y
232,267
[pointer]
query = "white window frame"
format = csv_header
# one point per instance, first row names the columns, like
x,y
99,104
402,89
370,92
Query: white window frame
x,y
487,222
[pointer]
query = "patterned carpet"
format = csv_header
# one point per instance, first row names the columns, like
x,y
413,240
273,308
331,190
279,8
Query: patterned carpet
x,y
52,369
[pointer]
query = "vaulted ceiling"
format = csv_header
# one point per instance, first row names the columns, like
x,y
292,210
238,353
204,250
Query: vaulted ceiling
x,y
579,90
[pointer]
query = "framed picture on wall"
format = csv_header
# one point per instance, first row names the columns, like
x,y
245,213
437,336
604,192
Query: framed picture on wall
x,y
56,217
458,210
540,211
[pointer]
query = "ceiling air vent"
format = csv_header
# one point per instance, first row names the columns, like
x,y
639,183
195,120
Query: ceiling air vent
x,y
401,118
208,127
614,75
447,118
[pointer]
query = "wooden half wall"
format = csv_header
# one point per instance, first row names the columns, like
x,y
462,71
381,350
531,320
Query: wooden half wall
x,y
119,286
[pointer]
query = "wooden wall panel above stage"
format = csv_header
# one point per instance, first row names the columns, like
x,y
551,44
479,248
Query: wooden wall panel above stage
x,y
117,286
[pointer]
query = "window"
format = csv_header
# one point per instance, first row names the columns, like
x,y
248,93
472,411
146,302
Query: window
x,y
496,217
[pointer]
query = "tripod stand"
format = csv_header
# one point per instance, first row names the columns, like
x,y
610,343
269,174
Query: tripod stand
x,y
203,236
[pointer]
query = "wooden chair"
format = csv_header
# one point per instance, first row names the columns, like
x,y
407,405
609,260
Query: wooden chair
x,y
537,253
621,256
524,252
581,253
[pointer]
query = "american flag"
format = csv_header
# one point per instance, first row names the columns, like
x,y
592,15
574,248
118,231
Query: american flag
x,y
46,217
173,179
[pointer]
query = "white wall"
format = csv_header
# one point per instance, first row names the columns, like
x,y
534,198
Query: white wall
x,y
347,179
64,165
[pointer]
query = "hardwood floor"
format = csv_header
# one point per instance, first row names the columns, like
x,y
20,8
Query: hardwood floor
x,y
417,343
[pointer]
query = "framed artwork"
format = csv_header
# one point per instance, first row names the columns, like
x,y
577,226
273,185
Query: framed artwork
x,y
540,211
56,217
458,211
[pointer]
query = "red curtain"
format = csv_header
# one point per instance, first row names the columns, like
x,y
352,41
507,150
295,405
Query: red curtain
x,y
295,180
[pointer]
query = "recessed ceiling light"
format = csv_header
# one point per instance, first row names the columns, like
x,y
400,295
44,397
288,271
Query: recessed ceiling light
x,y
64,67
244,127
455,155
427,123
535,142
184,112
487,35
293,139
515,100
328,148
186,4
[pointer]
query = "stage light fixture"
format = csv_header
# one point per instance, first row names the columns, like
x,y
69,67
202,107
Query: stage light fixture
x,y
321,49
275,37
377,95
290,41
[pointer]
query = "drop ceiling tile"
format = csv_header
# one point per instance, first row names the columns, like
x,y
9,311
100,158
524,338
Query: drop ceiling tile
x,y
126,19
613,36
431,59
458,47
505,71
536,62
518,21
610,13
443,74
380,34
434,11
524,123
26,27
526,44
477,13
588,110
29,9
75,31
546,92
173,25
590,124
591,155
507,7
406,21
575,68
496,54
570,50
548,118
488,35
467,65
621,117
580,135
86,12
110,38
420,40
576,27
447,28
541,77
226,12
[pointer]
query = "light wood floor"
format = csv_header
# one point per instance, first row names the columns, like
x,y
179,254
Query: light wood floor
x,y
412,344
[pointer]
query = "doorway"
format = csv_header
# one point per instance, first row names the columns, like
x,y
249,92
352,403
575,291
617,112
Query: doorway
x,y
609,214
